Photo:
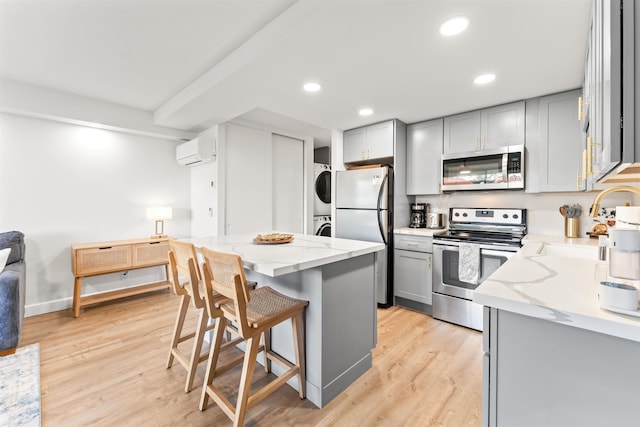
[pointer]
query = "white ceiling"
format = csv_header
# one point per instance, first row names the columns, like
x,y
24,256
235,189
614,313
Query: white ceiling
x,y
196,63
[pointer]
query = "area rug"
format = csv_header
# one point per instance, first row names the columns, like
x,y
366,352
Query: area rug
x,y
20,387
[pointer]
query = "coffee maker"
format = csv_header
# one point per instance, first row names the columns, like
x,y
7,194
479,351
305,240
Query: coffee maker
x,y
620,292
418,215
624,256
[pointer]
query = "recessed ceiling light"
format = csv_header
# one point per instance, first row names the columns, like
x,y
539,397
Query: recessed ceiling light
x,y
311,87
484,79
454,26
365,112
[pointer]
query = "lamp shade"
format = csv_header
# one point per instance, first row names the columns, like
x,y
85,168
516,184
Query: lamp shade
x,y
159,213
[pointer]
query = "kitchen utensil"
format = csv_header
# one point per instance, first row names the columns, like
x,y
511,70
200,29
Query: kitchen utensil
x,y
576,211
435,220
573,211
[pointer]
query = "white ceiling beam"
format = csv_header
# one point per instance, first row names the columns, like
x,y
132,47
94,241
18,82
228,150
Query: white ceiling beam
x,y
242,55
48,104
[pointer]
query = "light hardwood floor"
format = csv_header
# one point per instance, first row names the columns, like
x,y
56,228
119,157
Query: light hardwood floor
x,y
107,368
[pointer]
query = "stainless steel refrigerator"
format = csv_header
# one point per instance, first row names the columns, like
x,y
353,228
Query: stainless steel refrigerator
x,y
364,202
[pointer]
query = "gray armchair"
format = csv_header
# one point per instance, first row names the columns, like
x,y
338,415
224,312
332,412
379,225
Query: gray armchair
x,y
12,292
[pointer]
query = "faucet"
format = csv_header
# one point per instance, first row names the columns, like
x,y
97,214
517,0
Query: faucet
x,y
596,202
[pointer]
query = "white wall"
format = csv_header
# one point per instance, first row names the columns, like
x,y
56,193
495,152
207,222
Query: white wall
x,y
204,199
62,184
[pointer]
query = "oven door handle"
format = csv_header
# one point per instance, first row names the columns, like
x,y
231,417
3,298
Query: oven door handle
x,y
508,254
443,245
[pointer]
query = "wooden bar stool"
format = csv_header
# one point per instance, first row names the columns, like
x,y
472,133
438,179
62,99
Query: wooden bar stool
x,y
183,264
254,313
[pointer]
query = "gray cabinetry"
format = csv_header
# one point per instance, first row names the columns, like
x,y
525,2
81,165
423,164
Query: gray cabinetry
x,y
413,272
462,132
354,144
424,150
561,143
610,80
502,125
488,128
374,142
543,373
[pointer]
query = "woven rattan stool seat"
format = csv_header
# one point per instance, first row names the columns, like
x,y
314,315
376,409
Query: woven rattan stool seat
x,y
265,304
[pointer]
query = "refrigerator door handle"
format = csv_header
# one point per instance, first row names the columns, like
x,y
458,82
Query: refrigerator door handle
x,y
379,208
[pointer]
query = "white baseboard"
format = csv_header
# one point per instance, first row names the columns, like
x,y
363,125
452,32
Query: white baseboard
x,y
47,307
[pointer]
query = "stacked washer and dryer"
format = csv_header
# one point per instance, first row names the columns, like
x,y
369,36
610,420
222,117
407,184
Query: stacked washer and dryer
x,y
322,200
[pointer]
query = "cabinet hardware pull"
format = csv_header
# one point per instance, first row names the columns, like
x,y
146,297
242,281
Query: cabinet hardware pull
x,y
105,247
577,180
475,143
154,243
589,168
582,174
581,112
484,140
590,145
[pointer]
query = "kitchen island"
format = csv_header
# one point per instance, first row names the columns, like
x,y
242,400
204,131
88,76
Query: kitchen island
x,y
337,277
552,355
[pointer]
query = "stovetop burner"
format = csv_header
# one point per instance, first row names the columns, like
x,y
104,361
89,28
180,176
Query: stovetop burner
x,y
479,237
495,226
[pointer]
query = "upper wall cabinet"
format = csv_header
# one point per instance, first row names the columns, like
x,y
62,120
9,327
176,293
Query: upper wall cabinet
x,y
370,143
561,143
610,80
424,151
492,127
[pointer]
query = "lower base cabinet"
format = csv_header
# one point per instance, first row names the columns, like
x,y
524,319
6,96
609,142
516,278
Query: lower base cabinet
x,y
539,372
413,272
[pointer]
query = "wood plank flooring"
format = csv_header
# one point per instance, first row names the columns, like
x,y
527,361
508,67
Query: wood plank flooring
x,y
107,368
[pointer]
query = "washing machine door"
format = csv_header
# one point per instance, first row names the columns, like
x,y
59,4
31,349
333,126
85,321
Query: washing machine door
x,y
322,190
323,186
324,230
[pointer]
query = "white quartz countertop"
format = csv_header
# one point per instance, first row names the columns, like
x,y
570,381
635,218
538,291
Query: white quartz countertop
x,y
555,287
428,232
304,252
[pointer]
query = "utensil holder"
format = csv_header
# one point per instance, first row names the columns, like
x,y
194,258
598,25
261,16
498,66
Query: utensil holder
x,y
572,227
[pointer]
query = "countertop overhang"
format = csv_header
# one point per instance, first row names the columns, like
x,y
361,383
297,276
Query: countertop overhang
x,y
555,288
304,252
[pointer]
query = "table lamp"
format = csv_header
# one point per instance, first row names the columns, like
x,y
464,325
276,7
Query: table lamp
x,y
159,214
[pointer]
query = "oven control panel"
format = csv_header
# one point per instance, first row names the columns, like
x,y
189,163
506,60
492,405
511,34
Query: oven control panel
x,y
500,216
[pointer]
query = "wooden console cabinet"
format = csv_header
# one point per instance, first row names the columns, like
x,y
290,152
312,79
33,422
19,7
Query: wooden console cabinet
x,y
92,259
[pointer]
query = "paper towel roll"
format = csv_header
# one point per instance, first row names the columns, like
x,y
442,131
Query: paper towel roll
x,y
628,217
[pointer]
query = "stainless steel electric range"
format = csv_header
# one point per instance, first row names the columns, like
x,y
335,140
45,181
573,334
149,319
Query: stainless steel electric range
x,y
487,238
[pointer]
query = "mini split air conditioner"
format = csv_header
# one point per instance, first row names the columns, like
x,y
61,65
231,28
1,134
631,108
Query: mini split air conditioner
x,y
197,151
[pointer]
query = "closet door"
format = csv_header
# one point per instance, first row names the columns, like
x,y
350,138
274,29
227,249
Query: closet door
x,y
264,182
248,191
288,184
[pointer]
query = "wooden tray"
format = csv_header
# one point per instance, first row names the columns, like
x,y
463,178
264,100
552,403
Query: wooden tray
x,y
272,242
596,235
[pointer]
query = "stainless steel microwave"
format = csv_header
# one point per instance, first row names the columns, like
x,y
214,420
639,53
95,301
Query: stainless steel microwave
x,y
500,168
